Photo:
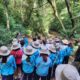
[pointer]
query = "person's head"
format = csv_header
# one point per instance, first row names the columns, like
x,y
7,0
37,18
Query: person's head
x,y
4,53
39,37
44,53
36,44
34,39
44,56
66,72
15,46
44,42
65,42
28,51
22,43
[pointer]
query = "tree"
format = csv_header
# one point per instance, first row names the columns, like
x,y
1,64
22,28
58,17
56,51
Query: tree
x,y
5,3
54,7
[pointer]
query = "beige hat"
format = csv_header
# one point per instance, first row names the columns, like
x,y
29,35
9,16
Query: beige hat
x,y
52,49
44,50
29,50
4,51
36,44
14,40
70,72
15,46
56,39
50,41
65,41
67,71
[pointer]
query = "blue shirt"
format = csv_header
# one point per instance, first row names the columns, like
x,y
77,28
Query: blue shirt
x,y
26,41
36,53
42,67
60,57
53,57
28,67
9,67
64,52
68,51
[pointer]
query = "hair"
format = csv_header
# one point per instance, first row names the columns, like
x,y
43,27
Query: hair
x,y
16,49
34,39
4,59
22,42
70,45
44,42
38,37
44,56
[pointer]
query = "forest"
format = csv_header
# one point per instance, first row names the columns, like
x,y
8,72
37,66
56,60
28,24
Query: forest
x,y
39,17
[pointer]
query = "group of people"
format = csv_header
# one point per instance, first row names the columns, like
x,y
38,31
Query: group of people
x,y
39,59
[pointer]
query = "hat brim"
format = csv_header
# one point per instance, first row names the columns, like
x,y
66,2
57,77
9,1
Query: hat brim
x,y
65,42
44,52
14,48
5,54
54,51
34,46
29,53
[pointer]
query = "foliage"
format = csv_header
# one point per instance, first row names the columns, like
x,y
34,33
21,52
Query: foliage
x,y
37,17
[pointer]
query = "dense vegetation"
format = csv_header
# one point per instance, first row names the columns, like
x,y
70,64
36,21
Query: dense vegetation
x,y
39,17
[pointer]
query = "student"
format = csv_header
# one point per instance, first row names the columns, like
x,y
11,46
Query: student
x,y
43,62
25,39
17,53
28,63
36,45
66,72
7,64
53,57
67,51
39,39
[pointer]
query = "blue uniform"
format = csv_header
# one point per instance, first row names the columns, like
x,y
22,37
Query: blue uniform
x,y
60,57
64,52
42,67
9,67
26,41
28,67
68,51
36,53
53,57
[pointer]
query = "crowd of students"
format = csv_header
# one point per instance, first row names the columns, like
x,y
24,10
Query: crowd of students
x,y
38,59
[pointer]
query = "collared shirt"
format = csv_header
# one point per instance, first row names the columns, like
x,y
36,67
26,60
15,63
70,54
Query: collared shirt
x,y
42,67
9,67
53,57
28,67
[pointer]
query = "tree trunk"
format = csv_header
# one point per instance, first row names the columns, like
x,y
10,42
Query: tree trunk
x,y
7,19
70,13
54,7
71,17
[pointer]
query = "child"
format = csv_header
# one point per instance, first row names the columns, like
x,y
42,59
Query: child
x,y
53,57
43,62
17,53
7,64
28,63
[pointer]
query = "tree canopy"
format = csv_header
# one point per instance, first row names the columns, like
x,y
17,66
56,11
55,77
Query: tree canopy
x,y
39,17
